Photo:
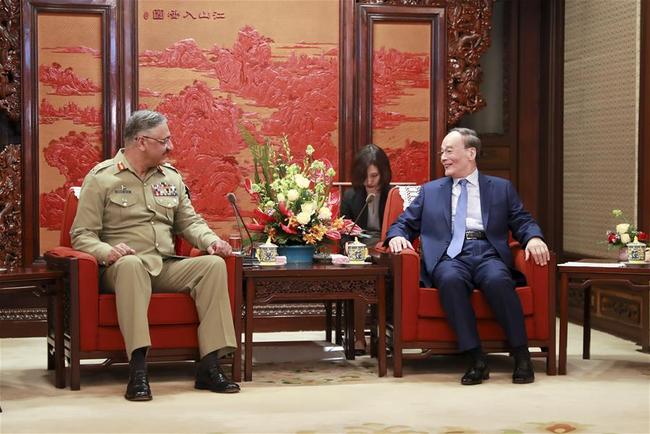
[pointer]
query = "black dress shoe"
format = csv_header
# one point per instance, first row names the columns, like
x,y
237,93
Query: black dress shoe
x,y
138,388
215,380
523,372
476,374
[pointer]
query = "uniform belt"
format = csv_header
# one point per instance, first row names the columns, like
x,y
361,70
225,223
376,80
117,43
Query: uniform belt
x,y
475,235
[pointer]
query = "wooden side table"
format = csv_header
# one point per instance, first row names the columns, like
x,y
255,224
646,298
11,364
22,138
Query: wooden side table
x,y
591,271
317,282
40,281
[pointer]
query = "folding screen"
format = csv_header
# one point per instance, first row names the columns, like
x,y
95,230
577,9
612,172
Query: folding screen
x,y
269,66
401,87
69,116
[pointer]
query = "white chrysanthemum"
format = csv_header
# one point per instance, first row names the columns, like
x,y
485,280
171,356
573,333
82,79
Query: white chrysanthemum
x,y
281,197
324,213
293,194
625,238
308,207
303,218
301,181
622,228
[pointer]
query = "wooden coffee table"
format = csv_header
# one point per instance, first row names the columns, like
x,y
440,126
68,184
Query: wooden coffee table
x,y
589,271
317,282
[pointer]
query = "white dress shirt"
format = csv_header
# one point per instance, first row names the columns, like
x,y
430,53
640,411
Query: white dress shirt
x,y
474,221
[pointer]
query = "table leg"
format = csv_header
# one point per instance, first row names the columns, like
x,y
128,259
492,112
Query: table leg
x,y
248,344
237,355
645,320
338,339
51,313
59,357
328,321
373,331
349,329
381,305
564,289
586,321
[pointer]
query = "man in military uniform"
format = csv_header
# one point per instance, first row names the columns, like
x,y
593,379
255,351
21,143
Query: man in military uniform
x,y
129,209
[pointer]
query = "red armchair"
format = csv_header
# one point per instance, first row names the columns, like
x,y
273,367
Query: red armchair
x,y
91,328
419,322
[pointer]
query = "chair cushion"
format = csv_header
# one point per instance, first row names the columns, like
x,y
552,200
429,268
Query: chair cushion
x,y
164,309
429,305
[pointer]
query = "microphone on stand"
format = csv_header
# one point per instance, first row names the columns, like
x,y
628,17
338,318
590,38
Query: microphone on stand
x,y
233,202
369,200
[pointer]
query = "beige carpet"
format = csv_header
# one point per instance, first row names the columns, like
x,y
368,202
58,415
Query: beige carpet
x,y
310,388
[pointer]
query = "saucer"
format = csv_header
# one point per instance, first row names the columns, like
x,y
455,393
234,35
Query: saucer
x,y
358,263
269,264
636,264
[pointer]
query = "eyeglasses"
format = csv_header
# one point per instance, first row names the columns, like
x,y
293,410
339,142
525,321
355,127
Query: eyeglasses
x,y
446,152
164,141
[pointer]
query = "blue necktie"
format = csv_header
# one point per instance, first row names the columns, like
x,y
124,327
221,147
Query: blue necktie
x,y
458,236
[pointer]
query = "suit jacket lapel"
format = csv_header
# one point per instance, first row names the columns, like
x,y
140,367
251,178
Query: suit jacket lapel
x,y
485,190
445,198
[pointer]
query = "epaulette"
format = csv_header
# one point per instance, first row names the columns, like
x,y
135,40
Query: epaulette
x,y
169,166
100,166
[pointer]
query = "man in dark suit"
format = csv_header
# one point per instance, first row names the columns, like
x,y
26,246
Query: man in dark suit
x,y
463,222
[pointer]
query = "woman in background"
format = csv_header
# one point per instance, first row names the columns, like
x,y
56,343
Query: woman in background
x,y
371,174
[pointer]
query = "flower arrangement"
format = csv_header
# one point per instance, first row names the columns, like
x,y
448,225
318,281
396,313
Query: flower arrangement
x,y
624,233
295,203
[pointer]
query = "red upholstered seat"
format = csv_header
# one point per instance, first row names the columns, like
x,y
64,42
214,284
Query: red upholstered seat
x,y
92,330
418,320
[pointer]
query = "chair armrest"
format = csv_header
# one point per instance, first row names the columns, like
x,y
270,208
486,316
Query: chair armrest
x,y
379,248
541,280
233,269
406,285
83,276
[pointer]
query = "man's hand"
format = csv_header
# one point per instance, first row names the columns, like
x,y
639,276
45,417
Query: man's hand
x,y
397,244
539,250
118,251
220,247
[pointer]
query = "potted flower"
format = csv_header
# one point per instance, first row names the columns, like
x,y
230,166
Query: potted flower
x,y
623,234
295,204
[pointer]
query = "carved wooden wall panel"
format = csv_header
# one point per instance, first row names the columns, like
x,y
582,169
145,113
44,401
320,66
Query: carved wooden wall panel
x,y
468,37
10,179
10,207
10,58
